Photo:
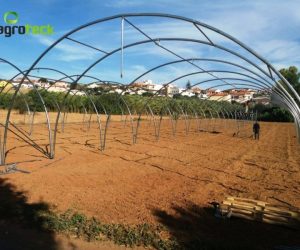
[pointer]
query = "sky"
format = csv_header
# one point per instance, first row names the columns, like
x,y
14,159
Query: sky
x,y
269,27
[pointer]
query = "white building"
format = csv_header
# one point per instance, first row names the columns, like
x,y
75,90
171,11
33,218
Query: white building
x,y
203,96
55,88
154,87
172,90
141,91
219,97
147,82
62,84
77,93
186,92
93,86
117,90
147,86
242,95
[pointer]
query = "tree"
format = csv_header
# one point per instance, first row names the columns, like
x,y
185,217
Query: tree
x,y
44,80
293,77
177,96
188,85
149,94
74,86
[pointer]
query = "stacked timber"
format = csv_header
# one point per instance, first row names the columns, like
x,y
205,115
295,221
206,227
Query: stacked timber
x,y
260,211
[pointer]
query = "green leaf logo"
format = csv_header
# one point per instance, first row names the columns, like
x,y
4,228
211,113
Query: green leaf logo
x,y
9,20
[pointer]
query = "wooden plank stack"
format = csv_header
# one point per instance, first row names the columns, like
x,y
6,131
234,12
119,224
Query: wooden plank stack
x,y
260,211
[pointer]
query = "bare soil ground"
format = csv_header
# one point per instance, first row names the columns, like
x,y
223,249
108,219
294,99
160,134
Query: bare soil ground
x,y
170,181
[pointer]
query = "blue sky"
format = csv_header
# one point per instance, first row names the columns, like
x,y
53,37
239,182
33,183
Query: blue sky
x,y
270,27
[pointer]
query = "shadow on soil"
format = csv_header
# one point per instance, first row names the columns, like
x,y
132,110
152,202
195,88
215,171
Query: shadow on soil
x,y
21,223
195,227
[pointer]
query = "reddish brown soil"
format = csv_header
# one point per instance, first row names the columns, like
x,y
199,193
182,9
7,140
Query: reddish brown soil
x,y
134,183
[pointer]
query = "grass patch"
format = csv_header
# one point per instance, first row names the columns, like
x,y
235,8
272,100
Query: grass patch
x,y
91,229
15,210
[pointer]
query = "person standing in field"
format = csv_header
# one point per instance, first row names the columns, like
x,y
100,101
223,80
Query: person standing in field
x,y
256,129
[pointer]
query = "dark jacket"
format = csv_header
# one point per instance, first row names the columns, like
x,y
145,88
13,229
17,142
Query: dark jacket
x,y
256,127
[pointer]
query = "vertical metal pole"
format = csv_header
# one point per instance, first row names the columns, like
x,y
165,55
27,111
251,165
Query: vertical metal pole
x,y
237,125
122,46
197,121
133,131
154,122
172,122
2,158
63,122
298,131
89,124
32,122
159,126
84,115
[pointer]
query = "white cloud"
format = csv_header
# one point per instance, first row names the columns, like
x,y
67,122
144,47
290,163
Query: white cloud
x,y
269,27
280,50
119,4
69,52
124,3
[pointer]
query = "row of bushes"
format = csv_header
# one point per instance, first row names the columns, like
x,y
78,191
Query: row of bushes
x,y
270,113
112,103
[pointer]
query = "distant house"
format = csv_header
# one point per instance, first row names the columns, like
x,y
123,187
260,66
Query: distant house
x,y
219,96
187,92
93,86
154,87
264,100
5,84
203,96
116,90
56,89
62,85
172,90
59,87
147,86
141,91
242,95
78,93
26,84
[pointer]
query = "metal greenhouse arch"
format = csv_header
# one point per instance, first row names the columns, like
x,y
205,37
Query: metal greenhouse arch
x,y
253,71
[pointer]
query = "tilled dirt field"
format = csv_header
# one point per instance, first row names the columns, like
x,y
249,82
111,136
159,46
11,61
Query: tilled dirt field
x,y
157,181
